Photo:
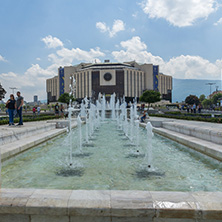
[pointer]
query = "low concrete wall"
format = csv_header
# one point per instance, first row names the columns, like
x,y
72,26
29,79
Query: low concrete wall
x,y
30,205
206,147
11,135
204,133
12,149
24,142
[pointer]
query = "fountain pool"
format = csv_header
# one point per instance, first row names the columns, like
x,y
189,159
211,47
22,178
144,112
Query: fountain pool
x,y
110,165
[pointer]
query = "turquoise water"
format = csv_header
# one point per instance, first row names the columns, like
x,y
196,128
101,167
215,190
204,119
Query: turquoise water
x,y
108,165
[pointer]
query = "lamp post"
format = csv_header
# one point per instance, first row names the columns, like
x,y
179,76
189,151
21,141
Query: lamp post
x,y
13,88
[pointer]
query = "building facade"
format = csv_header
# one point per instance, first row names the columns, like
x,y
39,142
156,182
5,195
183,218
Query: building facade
x,y
128,79
35,98
52,88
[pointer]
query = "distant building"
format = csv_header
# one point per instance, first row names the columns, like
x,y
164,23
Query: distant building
x,y
52,89
128,79
35,99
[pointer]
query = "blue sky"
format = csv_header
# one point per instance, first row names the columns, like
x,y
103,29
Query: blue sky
x,y
183,37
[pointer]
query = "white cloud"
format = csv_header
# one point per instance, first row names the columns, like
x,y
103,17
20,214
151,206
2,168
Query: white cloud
x,y
118,25
68,56
36,71
135,15
192,67
133,30
33,81
184,66
2,59
219,22
38,59
179,13
101,26
52,42
135,49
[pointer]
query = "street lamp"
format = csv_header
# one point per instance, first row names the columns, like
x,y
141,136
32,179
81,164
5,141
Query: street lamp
x,y
13,88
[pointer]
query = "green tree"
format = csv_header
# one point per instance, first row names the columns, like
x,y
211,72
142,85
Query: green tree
x,y
150,96
216,98
207,103
192,99
2,92
202,98
2,106
65,98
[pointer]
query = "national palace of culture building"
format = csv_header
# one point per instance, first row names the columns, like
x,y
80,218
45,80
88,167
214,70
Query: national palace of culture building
x,y
128,79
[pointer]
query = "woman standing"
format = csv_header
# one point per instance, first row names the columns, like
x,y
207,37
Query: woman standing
x,y
11,104
62,110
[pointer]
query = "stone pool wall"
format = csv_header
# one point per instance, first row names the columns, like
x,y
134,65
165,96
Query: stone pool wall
x,y
30,205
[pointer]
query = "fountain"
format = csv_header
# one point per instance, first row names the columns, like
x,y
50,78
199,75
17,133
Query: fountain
x,y
82,110
149,153
131,123
147,168
79,121
69,167
108,164
137,122
103,107
168,167
70,110
112,105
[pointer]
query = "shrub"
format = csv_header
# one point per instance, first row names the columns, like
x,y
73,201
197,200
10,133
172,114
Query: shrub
x,y
30,119
196,118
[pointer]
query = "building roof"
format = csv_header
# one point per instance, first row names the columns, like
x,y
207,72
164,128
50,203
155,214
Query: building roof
x,y
108,65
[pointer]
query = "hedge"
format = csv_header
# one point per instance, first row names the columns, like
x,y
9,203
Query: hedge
x,y
191,114
29,119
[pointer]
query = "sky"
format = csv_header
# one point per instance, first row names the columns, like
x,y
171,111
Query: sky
x,y
183,37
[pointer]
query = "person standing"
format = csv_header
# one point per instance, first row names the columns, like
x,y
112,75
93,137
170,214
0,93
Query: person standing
x,y
11,105
62,110
199,108
34,112
188,108
19,104
38,110
194,108
57,109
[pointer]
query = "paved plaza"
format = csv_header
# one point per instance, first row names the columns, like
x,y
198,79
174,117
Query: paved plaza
x,y
27,205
